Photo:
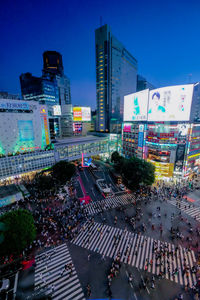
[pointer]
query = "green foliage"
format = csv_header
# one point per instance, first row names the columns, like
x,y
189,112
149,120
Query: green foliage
x,y
135,171
63,171
49,147
115,157
20,231
3,228
118,161
44,182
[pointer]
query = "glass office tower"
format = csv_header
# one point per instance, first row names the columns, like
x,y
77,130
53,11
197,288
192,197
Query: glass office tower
x,y
116,76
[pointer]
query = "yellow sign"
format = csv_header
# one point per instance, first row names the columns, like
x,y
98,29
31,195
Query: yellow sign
x,y
77,113
162,169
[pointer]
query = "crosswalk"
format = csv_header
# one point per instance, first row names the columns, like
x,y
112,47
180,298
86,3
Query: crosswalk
x,y
50,274
139,251
108,203
190,209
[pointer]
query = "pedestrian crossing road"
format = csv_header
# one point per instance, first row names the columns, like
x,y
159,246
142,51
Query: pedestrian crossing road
x,y
50,273
108,203
190,209
160,258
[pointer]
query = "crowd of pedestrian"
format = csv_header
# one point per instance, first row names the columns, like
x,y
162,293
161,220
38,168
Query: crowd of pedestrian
x,y
58,220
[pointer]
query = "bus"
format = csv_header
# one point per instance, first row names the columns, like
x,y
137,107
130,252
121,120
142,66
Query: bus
x,y
103,187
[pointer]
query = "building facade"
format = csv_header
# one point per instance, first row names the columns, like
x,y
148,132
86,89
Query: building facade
x,y
51,89
67,121
167,133
116,71
143,84
23,126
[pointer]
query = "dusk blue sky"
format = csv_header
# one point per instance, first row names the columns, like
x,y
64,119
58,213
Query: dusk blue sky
x,y
162,35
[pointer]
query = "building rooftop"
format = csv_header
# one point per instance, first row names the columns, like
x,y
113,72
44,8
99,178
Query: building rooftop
x,y
8,190
78,140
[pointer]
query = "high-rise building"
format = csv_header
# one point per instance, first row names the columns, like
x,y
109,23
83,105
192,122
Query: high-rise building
x,y
116,76
143,84
52,62
43,90
53,69
52,89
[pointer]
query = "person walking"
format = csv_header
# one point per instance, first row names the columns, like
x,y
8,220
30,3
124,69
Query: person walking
x,y
88,290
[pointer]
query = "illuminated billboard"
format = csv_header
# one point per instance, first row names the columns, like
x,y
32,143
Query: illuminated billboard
x,y
25,130
82,114
56,110
171,103
135,106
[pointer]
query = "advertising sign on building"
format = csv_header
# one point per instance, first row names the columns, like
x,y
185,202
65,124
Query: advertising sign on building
x,y
82,114
180,152
171,103
135,106
86,114
141,136
57,110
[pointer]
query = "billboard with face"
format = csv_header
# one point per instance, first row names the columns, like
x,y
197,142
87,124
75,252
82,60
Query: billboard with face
x,y
171,103
135,106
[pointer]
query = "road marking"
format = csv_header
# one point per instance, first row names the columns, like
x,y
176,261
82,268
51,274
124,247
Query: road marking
x,y
15,285
141,251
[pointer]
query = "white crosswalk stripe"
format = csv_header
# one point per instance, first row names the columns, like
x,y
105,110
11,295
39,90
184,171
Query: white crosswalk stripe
x,y
155,256
111,202
187,208
50,274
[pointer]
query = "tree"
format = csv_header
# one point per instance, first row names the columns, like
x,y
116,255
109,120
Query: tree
x,y
63,171
137,171
20,231
2,232
148,173
44,182
118,161
115,157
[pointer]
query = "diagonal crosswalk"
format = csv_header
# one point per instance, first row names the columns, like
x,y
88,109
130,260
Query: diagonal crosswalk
x,y
108,203
51,274
171,262
192,211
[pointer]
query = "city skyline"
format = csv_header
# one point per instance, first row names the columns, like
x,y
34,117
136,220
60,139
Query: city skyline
x,y
166,54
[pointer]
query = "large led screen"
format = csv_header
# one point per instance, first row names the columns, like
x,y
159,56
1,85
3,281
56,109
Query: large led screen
x,y
135,106
25,131
82,114
171,103
56,110
86,114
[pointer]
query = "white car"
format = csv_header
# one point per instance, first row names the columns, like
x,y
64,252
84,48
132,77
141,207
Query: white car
x,y
4,285
122,187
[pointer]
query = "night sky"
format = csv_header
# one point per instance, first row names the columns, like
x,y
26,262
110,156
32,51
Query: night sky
x,y
162,35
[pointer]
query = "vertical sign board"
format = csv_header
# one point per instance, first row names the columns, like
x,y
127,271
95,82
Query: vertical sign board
x,y
140,136
45,120
180,153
